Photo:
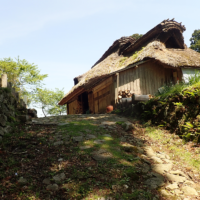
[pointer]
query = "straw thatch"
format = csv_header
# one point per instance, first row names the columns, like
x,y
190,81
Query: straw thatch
x,y
112,61
161,32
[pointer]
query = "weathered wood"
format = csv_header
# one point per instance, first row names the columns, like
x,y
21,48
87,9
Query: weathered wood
x,y
126,100
102,85
117,85
90,102
72,107
137,97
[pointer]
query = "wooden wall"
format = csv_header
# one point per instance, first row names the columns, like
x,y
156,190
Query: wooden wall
x,y
91,102
144,79
72,107
103,95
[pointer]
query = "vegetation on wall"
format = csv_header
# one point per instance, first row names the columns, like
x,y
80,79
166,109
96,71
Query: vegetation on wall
x,y
136,36
24,76
27,80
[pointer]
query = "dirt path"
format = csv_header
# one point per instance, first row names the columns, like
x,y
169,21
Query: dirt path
x,y
90,157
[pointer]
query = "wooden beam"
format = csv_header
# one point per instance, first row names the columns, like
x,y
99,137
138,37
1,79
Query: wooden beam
x,y
137,97
117,74
104,84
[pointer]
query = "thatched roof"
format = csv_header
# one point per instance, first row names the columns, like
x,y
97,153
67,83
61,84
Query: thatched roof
x,y
114,62
162,32
118,46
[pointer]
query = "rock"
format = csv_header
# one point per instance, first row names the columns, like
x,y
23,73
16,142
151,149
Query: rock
x,y
175,178
105,198
190,183
46,181
84,147
165,193
59,177
125,187
129,148
161,155
52,187
180,173
108,123
1,131
3,120
23,118
145,168
88,137
140,150
99,141
22,181
32,113
7,130
172,186
161,168
102,126
123,139
167,161
178,192
101,155
149,152
189,191
63,124
153,183
78,139
127,126
156,159
58,143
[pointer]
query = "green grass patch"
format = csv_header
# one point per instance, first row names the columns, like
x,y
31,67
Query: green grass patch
x,y
176,147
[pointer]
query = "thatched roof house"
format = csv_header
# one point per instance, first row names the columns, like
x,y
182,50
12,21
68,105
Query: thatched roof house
x,y
137,66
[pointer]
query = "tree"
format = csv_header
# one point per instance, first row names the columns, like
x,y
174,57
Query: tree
x,y
48,100
136,36
195,41
24,76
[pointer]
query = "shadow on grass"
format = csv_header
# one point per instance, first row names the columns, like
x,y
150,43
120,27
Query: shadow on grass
x,y
117,171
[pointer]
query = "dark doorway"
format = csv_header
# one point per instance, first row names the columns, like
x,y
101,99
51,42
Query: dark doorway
x,y
83,98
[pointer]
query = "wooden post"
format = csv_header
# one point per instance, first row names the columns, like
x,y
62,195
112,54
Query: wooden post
x,y
117,74
4,82
25,100
137,97
68,109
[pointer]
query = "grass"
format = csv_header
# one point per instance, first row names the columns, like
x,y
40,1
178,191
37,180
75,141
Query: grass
x,y
85,177
176,147
171,89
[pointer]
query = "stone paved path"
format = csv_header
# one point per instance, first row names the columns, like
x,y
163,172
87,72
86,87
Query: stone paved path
x,y
156,167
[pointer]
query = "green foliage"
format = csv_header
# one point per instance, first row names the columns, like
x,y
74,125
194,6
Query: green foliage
x,y
136,53
169,89
122,61
48,100
136,36
194,79
23,75
195,41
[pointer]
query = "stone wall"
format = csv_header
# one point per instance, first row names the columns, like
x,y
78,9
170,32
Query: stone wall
x,y
12,109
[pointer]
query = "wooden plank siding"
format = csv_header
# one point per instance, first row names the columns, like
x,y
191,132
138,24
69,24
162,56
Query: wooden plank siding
x,y
90,102
72,107
144,79
105,96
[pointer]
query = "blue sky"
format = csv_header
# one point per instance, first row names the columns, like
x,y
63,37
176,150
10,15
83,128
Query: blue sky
x,y
65,38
